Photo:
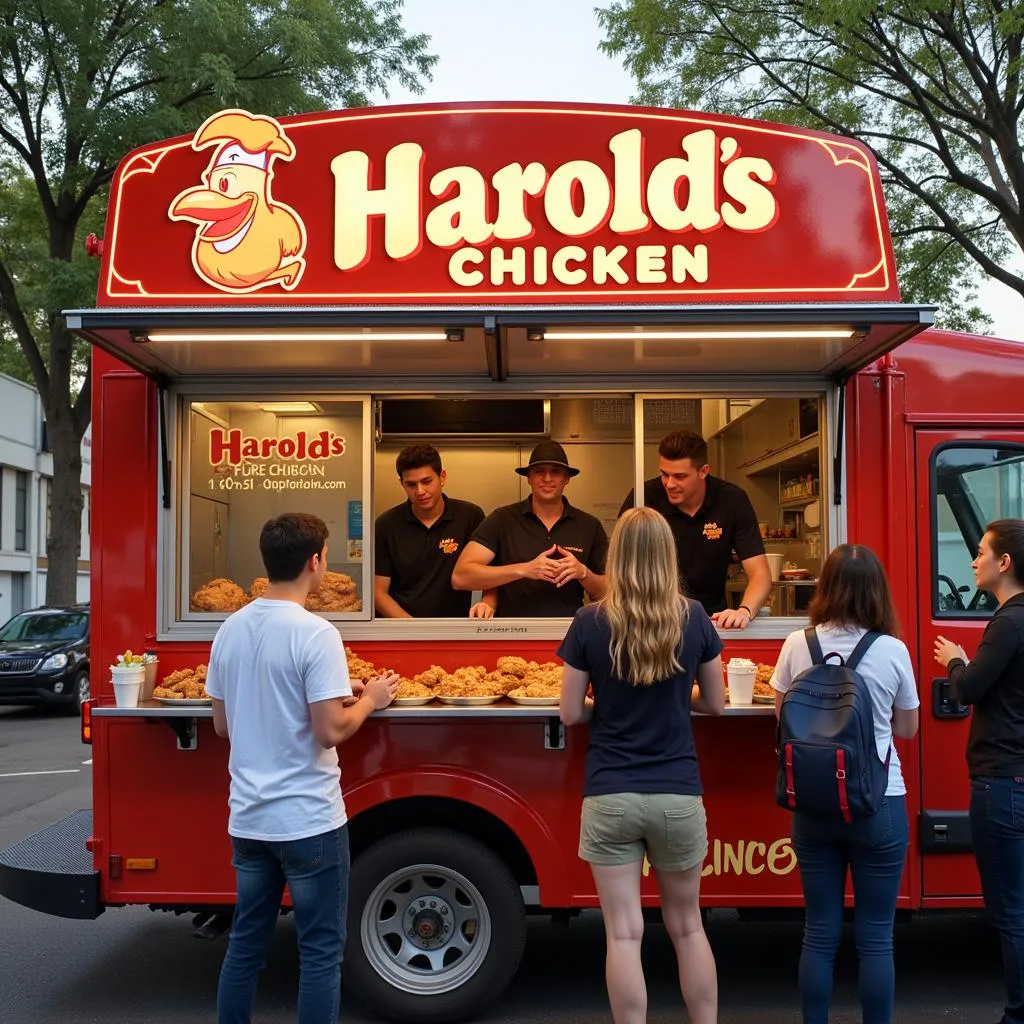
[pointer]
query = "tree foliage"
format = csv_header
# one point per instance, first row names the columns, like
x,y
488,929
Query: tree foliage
x,y
932,86
84,81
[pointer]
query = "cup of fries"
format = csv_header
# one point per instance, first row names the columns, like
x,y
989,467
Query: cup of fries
x,y
127,677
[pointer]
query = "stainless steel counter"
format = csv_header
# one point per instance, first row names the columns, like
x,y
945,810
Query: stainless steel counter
x,y
503,709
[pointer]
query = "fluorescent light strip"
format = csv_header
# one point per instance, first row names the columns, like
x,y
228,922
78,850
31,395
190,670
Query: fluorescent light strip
x,y
695,335
257,336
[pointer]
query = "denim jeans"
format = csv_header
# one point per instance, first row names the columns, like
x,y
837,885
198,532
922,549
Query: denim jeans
x,y
873,850
997,833
316,870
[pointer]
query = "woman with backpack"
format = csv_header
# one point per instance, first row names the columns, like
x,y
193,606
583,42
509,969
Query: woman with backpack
x,y
851,600
994,684
652,657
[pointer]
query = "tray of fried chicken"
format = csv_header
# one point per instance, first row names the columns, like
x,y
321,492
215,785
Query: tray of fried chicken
x,y
337,593
522,681
763,692
185,686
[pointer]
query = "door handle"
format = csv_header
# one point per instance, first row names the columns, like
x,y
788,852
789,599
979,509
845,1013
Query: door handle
x,y
944,704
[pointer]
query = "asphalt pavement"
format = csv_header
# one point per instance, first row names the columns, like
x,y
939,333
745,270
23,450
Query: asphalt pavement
x,y
133,966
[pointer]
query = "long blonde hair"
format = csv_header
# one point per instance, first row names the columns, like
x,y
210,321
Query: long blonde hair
x,y
645,609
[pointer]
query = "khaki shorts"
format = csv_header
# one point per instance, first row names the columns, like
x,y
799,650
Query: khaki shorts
x,y
621,827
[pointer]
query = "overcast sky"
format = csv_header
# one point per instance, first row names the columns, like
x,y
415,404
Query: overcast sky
x,y
548,50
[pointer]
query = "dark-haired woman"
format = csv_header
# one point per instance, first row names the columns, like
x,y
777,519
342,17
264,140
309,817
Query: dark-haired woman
x,y
994,684
852,598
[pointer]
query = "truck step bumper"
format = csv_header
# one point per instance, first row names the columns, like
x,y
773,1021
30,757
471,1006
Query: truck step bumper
x,y
51,870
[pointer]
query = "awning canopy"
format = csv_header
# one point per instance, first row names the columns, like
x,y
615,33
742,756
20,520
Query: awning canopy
x,y
821,341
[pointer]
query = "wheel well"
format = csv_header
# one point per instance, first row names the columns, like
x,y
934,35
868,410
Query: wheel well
x,y
437,812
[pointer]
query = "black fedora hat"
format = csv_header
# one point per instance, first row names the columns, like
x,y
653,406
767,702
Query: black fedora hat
x,y
548,453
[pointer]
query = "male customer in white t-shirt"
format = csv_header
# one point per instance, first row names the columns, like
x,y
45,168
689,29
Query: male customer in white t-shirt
x,y
282,697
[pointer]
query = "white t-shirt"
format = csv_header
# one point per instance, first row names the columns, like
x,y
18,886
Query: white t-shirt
x,y
270,661
886,670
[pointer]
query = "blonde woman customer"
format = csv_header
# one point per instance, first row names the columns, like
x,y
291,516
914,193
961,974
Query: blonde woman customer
x,y
993,684
652,657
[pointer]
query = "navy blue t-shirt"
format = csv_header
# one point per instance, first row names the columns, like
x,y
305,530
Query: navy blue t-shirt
x,y
641,740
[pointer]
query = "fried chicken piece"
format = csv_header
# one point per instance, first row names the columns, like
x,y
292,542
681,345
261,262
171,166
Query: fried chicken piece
x,y
163,691
410,688
430,677
451,686
500,682
513,665
258,587
337,593
219,595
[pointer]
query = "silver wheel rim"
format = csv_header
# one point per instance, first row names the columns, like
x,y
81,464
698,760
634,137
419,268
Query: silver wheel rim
x,y
82,690
425,929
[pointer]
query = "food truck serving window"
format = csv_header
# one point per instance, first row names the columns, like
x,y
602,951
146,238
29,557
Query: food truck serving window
x,y
248,461
243,459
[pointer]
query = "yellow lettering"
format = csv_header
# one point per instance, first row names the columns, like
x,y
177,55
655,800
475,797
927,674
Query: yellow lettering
x,y
700,169
754,849
597,196
781,857
693,263
513,184
650,264
759,207
514,265
457,267
733,858
540,265
563,273
398,202
463,218
628,212
606,264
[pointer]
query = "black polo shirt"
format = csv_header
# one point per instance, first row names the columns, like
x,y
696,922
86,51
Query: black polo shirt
x,y
515,534
705,541
420,559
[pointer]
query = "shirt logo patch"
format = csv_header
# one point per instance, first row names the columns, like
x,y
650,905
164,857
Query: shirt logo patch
x,y
712,531
449,545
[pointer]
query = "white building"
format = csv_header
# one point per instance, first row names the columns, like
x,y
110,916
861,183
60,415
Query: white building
x,y
25,474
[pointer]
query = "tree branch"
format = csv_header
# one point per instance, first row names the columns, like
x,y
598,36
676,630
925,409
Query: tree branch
x,y
23,332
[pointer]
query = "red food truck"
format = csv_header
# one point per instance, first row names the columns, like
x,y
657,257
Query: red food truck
x,y
284,304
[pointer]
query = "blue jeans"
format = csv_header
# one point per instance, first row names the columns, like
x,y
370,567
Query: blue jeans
x,y
316,870
997,832
874,850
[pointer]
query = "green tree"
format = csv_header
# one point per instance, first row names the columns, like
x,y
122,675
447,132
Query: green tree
x,y
84,81
933,87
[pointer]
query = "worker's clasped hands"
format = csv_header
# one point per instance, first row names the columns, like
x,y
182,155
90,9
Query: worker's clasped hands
x,y
556,565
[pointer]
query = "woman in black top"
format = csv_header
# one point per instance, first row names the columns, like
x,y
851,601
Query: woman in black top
x,y
652,657
994,683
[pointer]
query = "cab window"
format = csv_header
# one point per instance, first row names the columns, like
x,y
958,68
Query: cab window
x,y
972,485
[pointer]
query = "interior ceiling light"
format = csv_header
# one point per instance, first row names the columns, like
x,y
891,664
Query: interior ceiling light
x,y
696,334
311,334
285,407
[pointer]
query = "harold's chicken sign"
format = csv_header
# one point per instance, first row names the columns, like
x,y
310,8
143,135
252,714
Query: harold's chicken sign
x,y
496,203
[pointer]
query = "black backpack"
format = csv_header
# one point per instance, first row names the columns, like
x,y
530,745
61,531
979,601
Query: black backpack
x,y
828,759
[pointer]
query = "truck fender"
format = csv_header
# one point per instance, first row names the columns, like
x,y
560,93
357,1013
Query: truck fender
x,y
544,850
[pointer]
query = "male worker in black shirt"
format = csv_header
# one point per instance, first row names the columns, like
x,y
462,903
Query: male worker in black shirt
x,y
417,543
709,519
541,554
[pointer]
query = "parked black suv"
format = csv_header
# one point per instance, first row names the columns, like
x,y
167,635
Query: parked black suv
x,y
44,658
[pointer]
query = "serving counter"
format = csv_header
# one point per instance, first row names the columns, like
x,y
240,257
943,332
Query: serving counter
x,y
501,709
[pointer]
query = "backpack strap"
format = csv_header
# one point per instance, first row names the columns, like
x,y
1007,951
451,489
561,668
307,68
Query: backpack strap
x,y
811,636
861,649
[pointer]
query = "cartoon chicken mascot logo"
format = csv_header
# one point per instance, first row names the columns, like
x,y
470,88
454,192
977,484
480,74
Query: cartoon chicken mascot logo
x,y
245,239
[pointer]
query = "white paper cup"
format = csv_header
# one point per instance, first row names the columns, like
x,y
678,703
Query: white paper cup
x,y
774,565
127,681
741,683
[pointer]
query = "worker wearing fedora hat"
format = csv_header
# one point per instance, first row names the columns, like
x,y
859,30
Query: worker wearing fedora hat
x,y
543,555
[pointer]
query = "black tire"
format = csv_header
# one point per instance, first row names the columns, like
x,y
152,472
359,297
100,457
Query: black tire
x,y
436,927
79,693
